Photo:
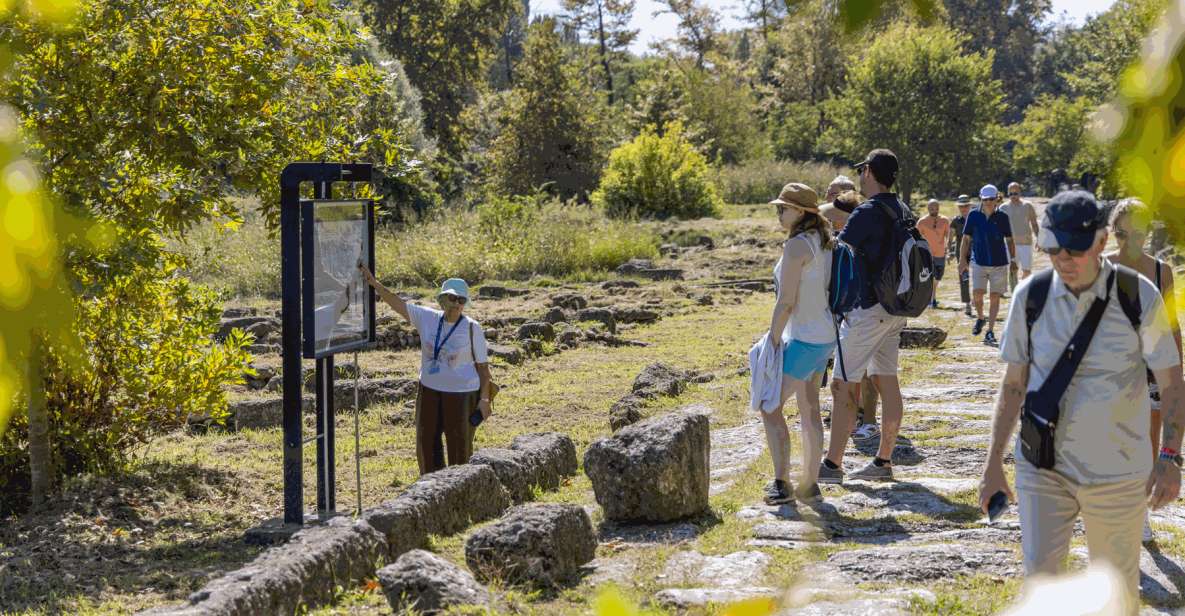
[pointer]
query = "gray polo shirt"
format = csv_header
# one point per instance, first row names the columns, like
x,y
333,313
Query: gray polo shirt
x,y
1103,429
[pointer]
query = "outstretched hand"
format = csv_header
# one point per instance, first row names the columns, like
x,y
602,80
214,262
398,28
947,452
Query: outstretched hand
x,y
368,277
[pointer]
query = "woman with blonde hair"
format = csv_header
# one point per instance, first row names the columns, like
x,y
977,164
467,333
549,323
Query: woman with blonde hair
x,y
1130,223
801,324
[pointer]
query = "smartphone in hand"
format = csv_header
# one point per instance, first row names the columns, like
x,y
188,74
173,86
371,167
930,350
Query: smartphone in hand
x,y
476,418
996,506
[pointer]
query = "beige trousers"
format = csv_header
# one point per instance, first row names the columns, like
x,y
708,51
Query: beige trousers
x,y
1113,514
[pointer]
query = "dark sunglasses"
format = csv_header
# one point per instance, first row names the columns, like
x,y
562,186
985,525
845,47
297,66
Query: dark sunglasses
x,y
1053,252
1013,194
1123,235
456,299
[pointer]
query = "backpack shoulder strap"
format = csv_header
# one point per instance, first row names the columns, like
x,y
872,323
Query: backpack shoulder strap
x,y
1035,302
1128,282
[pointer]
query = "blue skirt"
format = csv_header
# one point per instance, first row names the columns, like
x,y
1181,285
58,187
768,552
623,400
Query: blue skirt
x,y
801,360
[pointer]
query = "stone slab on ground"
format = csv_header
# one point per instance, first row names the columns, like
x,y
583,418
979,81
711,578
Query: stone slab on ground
x,y
947,392
426,583
733,451
538,545
894,499
653,471
618,570
855,607
307,571
439,503
736,570
922,564
1162,577
684,598
638,535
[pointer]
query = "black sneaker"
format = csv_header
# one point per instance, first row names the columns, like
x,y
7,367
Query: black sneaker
x,y
990,339
967,311
979,323
777,493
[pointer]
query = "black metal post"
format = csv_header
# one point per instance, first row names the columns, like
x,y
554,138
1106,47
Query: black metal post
x,y
290,332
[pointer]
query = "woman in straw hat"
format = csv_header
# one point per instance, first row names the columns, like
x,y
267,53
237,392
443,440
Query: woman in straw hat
x,y
454,391
802,325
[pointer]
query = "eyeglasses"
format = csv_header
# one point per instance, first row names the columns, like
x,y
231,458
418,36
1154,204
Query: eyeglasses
x,y
1013,194
1053,252
1123,235
456,299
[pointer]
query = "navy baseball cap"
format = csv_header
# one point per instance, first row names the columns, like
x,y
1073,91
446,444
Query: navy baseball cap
x,y
1070,221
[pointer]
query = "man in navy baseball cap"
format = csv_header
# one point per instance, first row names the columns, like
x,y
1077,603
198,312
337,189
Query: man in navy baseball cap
x,y
1071,221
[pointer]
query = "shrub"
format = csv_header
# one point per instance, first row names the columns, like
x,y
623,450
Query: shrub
x,y
658,177
761,180
144,366
239,262
510,238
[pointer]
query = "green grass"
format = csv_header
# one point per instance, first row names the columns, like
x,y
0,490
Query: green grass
x,y
550,241
977,595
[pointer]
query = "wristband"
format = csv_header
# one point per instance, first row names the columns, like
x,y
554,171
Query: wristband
x,y
485,399
1169,450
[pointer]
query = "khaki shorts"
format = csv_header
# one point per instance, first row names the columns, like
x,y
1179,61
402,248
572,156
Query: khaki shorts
x,y
982,275
868,343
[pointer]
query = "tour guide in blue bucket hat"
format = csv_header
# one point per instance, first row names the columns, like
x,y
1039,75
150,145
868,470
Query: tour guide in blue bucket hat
x,y
1071,221
455,287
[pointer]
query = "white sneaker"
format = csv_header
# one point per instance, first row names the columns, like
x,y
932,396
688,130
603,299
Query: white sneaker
x,y
1148,536
866,432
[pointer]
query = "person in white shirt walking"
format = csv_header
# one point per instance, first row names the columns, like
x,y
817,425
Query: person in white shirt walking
x,y
1077,343
801,323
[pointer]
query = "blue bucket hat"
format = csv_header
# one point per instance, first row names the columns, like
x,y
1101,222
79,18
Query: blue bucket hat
x,y
454,286
1071,220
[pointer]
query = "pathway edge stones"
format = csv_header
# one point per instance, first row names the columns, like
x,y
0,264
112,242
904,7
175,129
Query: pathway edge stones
x,y
308,568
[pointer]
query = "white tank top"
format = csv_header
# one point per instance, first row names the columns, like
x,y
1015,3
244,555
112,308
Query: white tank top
x,y
811,320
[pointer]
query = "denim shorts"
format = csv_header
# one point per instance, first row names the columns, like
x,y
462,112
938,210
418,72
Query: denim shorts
x,y
801,359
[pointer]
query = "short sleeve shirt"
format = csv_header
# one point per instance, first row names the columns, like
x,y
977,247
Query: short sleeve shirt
x,y
935,230
1102,431
457,372
1018,217
987,234
870,232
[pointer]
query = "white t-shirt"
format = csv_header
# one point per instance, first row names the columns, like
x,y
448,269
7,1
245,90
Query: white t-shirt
x,y
457,373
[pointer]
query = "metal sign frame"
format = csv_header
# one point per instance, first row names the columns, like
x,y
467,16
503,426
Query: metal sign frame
x,y
307,229
322,176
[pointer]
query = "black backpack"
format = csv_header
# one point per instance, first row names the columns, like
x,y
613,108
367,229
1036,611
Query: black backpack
x,y
905,285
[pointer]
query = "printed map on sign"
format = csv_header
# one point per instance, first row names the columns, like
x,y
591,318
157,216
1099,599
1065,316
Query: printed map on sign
x,y
341,307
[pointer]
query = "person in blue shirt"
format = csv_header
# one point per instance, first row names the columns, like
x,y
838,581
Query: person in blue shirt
x,y
987,254
870,336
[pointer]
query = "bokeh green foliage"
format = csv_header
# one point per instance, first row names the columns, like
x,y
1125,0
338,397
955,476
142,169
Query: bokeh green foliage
x,y
506,238
1151,143
35,297
658,176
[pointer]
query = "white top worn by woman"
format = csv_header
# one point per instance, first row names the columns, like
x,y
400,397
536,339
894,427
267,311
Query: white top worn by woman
x,y
457,372
811,320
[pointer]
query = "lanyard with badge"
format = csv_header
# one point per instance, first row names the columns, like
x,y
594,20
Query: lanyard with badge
x,y
434,367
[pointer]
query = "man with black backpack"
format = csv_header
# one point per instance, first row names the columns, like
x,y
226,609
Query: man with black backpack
x,y
1077,342
895,282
